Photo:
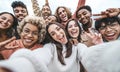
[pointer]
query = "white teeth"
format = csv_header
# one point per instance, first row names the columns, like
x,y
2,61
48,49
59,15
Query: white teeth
x,y
28,40
110,34
74,32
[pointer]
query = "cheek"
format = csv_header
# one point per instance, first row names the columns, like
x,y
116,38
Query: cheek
x,y
36,38
22,35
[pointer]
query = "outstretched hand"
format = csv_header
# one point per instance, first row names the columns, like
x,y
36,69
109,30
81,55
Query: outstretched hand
x,y
111,12
92,38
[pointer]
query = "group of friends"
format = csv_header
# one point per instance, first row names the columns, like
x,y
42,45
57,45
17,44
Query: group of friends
x,y
59,42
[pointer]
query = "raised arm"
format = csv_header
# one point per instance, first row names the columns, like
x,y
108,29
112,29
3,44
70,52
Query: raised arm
x,y
36,8
46,2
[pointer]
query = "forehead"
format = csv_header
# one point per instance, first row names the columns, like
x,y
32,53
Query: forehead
x,y
71,22
45,7
61,9
30,26
20,8
83,10
52,27
7,16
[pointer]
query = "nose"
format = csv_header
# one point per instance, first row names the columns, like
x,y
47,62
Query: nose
x,y
82,16
30,35
5,21
20,12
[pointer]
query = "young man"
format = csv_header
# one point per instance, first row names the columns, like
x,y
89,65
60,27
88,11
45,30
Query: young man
x,y
20,10
83,14
109,28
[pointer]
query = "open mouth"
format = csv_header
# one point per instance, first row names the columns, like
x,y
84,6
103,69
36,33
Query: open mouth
x,y
110,36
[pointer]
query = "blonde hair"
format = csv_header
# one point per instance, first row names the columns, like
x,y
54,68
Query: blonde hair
x,y
38,22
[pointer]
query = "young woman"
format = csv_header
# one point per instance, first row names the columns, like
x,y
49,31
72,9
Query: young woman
x,y
32,32
8,28
76,35
74,31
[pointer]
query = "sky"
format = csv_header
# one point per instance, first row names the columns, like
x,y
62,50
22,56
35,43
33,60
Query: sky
x,y
96,5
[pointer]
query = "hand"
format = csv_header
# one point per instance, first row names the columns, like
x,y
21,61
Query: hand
x,y
111,12
2,44
92,38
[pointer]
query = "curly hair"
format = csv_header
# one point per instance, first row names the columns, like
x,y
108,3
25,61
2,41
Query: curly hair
x,y
38,22
69,14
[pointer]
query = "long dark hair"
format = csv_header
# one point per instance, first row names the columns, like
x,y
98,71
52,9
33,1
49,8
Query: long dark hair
x,y
80,30
59,45
12,31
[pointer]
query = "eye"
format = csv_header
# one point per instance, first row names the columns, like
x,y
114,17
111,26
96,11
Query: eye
x,y
75,25
58,28
4,18
23,11
35,33
70,26
102,27
84,13
16,11
52,33
26,31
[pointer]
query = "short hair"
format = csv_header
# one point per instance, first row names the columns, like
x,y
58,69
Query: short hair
x,y
18,4
84,7
106,21
38,22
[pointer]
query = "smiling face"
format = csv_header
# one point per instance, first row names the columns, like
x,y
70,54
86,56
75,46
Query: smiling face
x,y
110,32
62,14
73,29
46,11
29,35
84,16
57,33
6,21
20,13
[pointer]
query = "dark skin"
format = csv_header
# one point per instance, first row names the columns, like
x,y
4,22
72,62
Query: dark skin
x,y
108,13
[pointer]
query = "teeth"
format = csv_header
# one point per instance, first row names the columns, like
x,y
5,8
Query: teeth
x,y
73,32
28,40
110,34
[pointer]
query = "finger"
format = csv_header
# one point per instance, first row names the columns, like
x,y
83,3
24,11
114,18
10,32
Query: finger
x,y
101,17
7,41
12,47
